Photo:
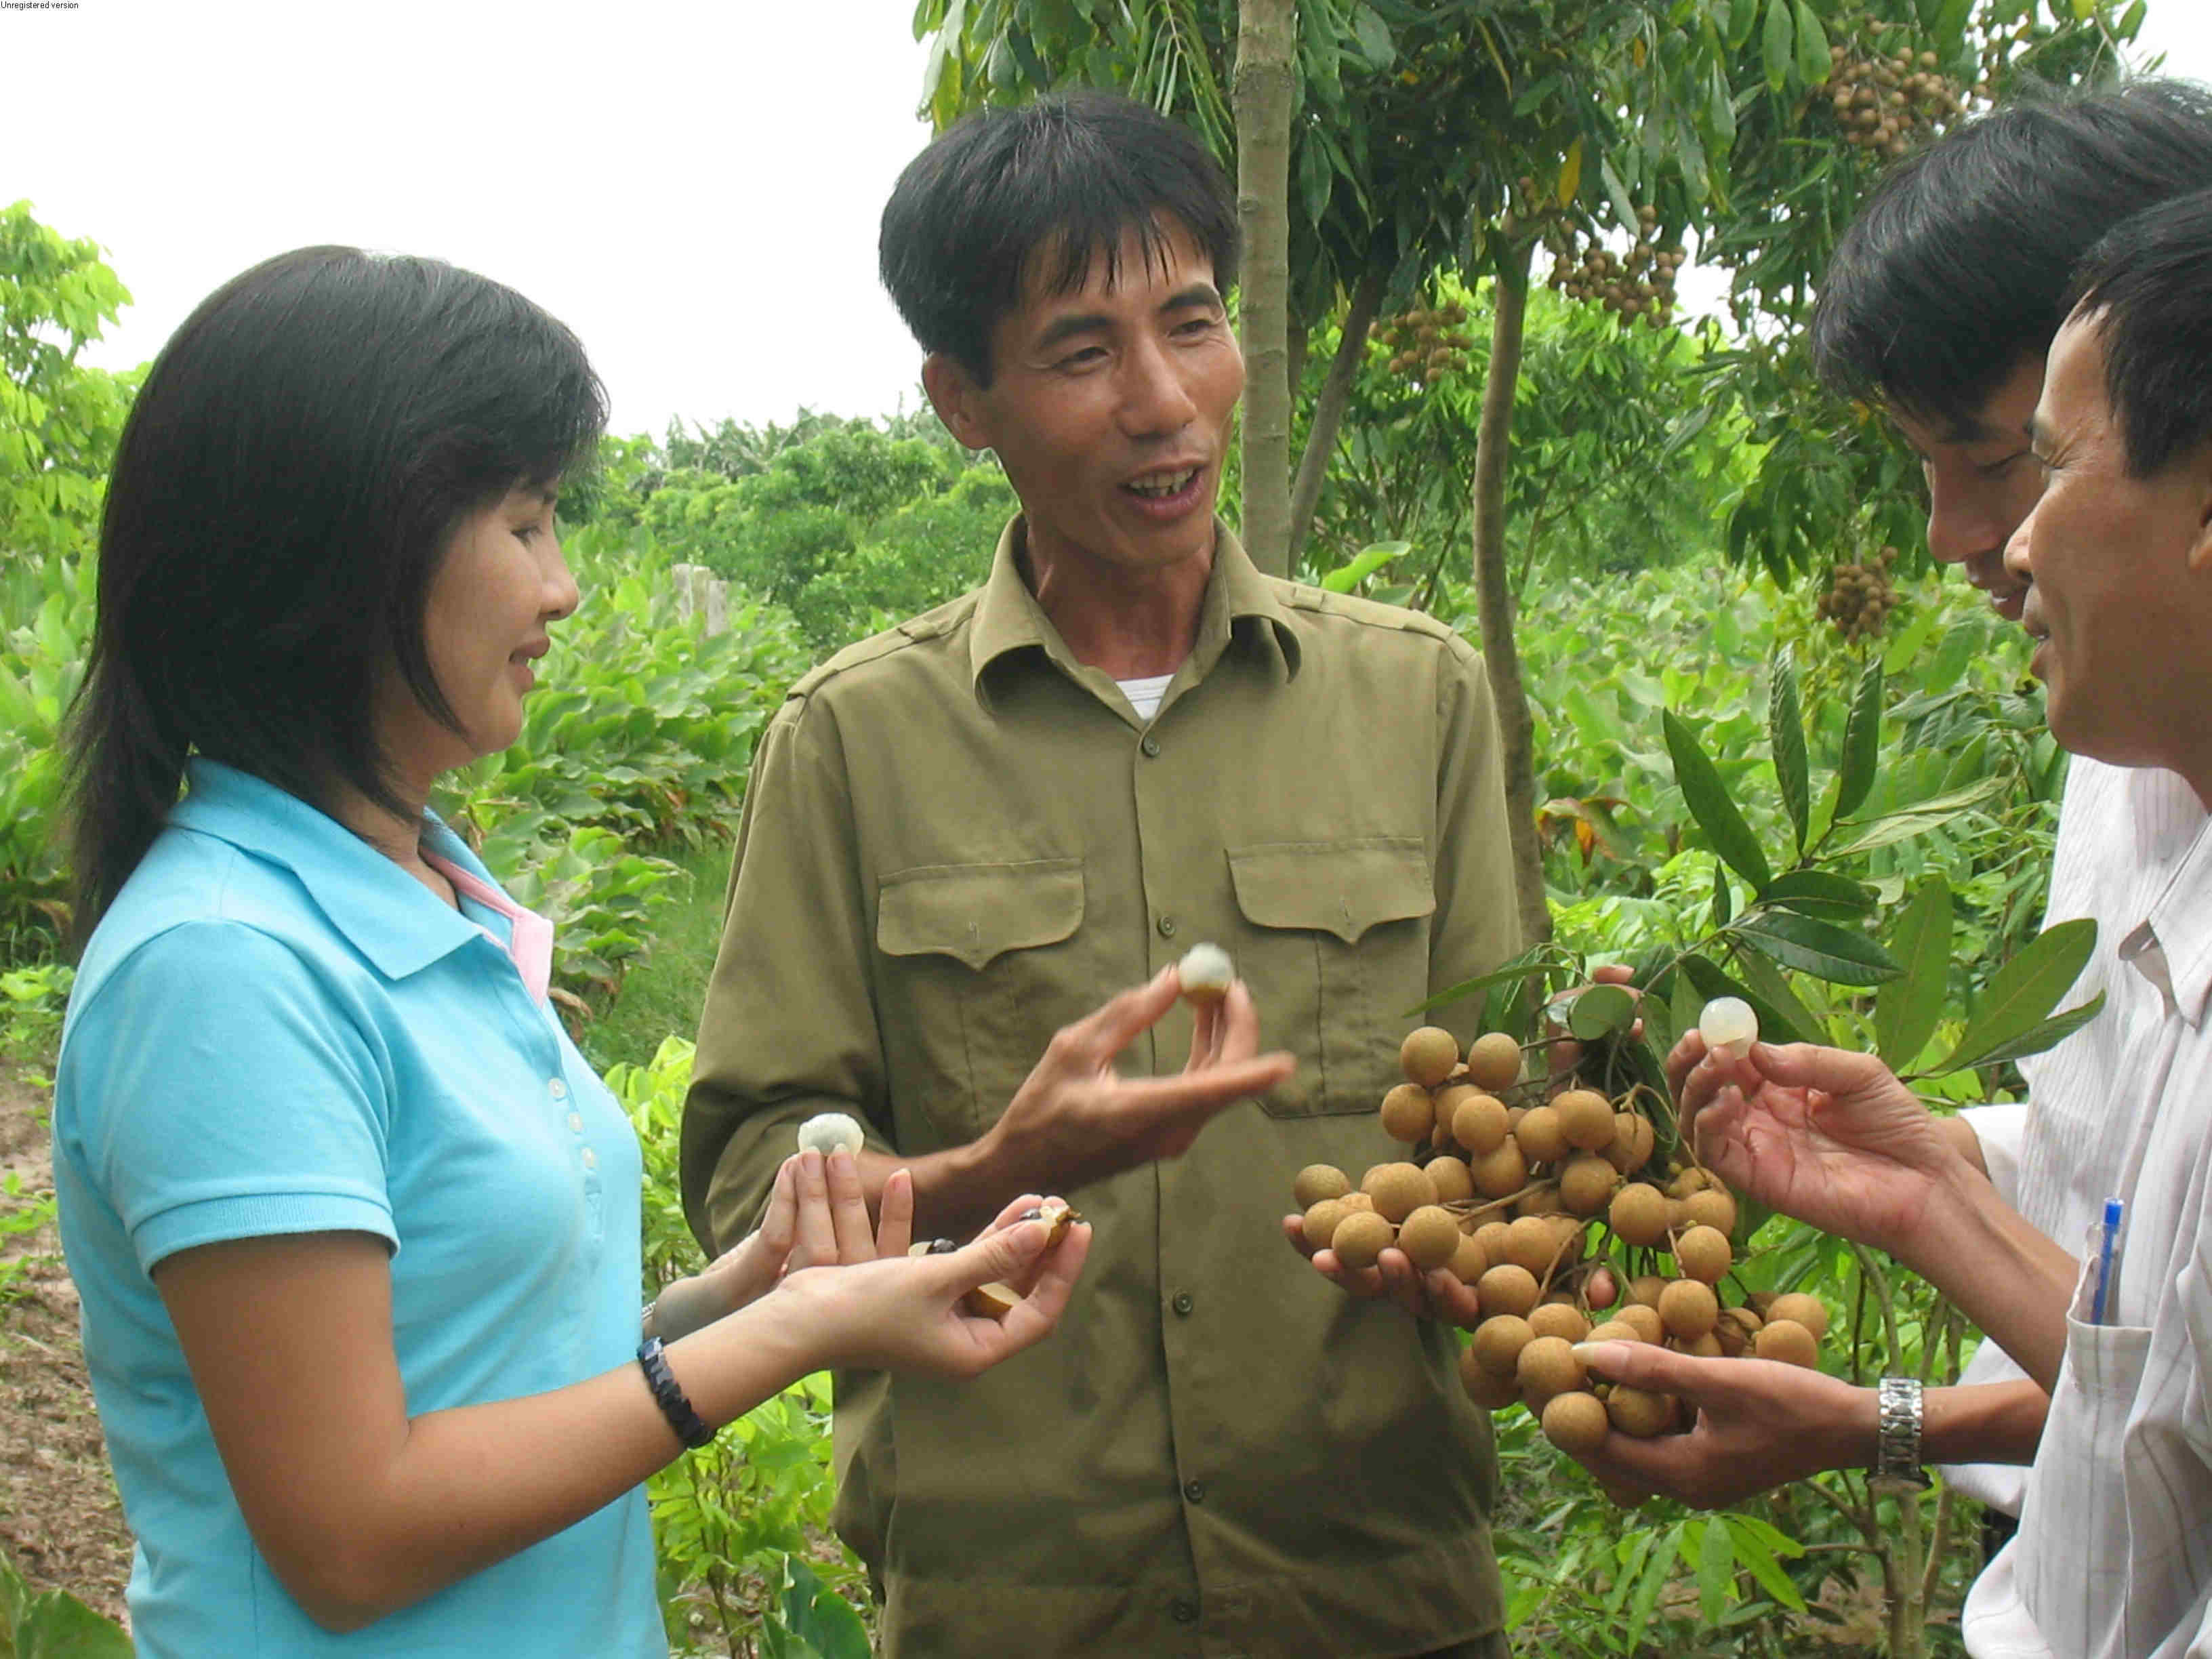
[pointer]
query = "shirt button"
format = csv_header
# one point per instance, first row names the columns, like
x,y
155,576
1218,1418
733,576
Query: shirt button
x,y
1195,1491
575,1123
1183,1303
1185,1613
1150,745
1167,927
591,1158
557,1089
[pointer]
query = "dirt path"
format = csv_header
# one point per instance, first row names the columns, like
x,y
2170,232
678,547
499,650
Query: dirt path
x,y
60,1518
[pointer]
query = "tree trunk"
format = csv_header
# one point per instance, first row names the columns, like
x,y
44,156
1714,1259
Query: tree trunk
x,y
1262,92
1494,591
1329,408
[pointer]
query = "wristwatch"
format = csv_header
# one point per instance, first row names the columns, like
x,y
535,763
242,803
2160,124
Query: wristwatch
x,y
1897,1436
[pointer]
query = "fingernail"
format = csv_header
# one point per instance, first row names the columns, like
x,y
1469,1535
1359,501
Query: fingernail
x,y
1596,1352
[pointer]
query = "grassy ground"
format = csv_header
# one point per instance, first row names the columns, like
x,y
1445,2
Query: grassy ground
x,y
661,996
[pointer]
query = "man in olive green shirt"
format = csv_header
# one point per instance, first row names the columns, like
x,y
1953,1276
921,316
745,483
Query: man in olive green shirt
x,y
962,834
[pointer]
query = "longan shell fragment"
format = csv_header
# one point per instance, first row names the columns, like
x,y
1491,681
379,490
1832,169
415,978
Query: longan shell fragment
x,y
1639,1413
1429,1236
1787,1340
1493,1062
1361,1238
1428,1055
1317,1181
1702,1252
1806,1310
1479,1123
1688,1307
1507,1289
1408,1113
1577,1422
1499,1341
1398,1189
1585,1119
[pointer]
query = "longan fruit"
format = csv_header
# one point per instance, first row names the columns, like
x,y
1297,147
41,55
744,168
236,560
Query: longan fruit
x,y
1407,1113
1491,1390
1538,1200
1540,1138
1585,1119
1317,1181
1499,1341
1469,1261
1508,1289
1398,1189
1493,1062
1633,1140
1645,1288
1429,1237
1637,1413
1802,1309
1321,1221
1639,1213
1501,1172
1358,1200
1707,1346
1644,1320
1586,1185
1575,1422
1688,1307
1692,1180
1702,1252
1479,1123
1547,1366
1712,1208
1614,1330
1530,1243
1429,1055
1787,1340
1736,1330
1361,1238
1559,1319
1448,1099
1455,1181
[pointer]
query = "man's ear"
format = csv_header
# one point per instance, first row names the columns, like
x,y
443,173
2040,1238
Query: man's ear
x,y
957,398
2200,476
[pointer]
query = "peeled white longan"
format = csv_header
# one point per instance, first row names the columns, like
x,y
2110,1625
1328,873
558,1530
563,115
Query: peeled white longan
x,y
1728,1027
829,1131
1205,972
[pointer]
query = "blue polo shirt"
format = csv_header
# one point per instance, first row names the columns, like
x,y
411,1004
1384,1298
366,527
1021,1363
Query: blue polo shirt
x,y
275,1030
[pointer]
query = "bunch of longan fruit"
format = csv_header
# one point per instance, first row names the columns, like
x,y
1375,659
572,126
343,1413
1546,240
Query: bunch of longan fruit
x,y
1639,283
1425,345
1507,1183
1860,597
1883,99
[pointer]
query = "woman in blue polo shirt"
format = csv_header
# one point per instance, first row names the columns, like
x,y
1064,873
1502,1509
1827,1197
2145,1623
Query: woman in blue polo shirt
x,y
355,1227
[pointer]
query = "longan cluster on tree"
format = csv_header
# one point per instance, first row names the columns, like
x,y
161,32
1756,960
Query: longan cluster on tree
x,y
1639,283
1427,343
1524,1187
1860,597
1885,97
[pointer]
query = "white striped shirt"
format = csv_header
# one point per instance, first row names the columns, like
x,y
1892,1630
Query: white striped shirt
x,y
2113,1559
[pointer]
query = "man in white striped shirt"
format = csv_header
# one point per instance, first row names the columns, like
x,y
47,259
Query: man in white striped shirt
x,y
2114,1553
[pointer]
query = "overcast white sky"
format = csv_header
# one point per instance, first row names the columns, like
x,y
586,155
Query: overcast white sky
x,y
692,185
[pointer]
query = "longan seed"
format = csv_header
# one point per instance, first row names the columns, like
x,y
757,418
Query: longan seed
x,y
1398,1189
1575,1422
1614,1330
1585,1119
1645,1321
1501,1172
1321,1220
1547,1366
1507,1289
1559,1319
1787,1340
1707,1346
1407,1113
1361,1238
1455,1181
1480,1124
1469,1263
1799,1308
1491,1390
1429,1237
1530,1243
1645,1289
1688,1307
1319,1181
1428,1055
1499,1341
1539,1135
1702,1252
1638,1414
1639,1214
1494,1062
1710,1208
1586,1185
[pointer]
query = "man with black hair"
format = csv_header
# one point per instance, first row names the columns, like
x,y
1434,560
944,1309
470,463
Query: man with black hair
x,y
962,833
1938,305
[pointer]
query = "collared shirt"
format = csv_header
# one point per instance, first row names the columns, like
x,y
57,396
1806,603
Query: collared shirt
x,y
275,1030
958,839
2122,832
2113,1559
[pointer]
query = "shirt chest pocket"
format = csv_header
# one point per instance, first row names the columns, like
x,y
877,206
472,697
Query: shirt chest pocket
x,y
978,965
1334,944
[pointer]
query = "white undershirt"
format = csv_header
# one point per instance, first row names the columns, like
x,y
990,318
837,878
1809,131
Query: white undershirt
x,y
1145,695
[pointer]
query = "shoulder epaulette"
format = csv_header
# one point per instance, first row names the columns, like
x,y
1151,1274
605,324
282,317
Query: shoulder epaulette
x,y
931,624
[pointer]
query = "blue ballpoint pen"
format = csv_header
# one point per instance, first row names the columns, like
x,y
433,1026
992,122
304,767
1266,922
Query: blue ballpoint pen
x,y
2107,1242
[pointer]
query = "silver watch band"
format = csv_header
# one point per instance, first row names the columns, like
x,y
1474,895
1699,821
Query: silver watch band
x,y
1896,1434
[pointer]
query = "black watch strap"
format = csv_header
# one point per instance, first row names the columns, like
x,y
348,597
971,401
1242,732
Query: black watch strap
x,y
691,1428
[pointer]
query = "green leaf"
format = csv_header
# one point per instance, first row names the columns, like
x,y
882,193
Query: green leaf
x,y
2024,991
1907,1010
1765,983
1715,1572
1758,1557
1374,37
1819,893
1810,945
56,1626
1657,1570
1708,803
1528,965
1896,827
1369,560
1778,44
1724,903
1743,17
1812,46
1623,203
1785,725
2045,1034
1600,1012
1862,740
